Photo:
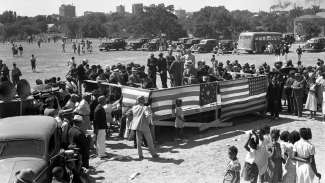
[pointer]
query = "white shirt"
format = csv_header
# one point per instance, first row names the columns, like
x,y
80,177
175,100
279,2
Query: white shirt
x,y
304,149
108,110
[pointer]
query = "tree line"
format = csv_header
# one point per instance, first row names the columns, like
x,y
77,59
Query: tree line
x,y
208,22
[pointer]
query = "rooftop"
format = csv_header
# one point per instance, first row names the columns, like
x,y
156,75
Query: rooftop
x,y
27,127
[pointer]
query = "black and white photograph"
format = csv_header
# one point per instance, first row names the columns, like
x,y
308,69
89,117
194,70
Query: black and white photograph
x,y
162,91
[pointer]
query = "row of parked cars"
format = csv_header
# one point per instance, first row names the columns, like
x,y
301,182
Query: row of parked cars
x,y
144,44
316,44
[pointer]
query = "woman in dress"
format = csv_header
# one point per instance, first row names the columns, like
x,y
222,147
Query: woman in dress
x,y
274,169
311,103
289,174
304,152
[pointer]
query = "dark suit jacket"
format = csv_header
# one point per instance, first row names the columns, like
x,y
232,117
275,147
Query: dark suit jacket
x,y
100,118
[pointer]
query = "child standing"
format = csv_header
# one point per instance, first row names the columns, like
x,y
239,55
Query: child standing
x,y
311,103
274,169
232,174
250,170
179,120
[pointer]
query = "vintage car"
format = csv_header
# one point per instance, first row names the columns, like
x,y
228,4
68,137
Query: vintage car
x,y
183,40
205,46
152,45
189,43
288,38
28,142
136,44
227,46
314,45
113,44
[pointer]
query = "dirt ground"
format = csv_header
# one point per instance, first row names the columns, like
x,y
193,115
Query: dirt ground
x,y
200,159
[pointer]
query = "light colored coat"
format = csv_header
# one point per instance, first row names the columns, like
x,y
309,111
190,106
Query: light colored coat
x,y
141,118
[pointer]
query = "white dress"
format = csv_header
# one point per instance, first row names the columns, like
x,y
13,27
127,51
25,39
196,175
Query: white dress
x,y
304,149
320,91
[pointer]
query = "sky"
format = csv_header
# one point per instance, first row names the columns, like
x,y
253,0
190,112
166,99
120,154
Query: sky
x,y
47,7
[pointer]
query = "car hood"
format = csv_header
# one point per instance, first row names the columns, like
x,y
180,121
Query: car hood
x,y
9,167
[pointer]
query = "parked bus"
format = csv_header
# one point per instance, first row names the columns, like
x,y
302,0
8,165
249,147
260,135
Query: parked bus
x,y
258,42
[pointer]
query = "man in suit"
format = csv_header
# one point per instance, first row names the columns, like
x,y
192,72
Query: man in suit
x,y
78,138
100,126
141,118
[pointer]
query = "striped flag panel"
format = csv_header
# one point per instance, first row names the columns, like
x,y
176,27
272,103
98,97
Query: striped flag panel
x,y
130,95
163,101
242,96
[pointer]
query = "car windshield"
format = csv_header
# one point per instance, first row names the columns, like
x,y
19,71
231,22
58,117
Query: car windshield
x,y
18,148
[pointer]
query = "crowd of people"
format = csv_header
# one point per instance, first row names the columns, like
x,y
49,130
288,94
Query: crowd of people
x,y
274,157
87,118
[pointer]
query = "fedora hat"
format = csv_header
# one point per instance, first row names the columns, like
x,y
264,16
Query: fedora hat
x,y
25,176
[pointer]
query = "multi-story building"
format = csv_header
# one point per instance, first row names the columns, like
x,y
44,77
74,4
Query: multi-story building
x,y
87,13
67,11
137,8
180,13
120,9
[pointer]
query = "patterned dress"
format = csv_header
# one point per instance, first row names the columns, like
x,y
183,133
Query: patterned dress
x,y
232,174
311,102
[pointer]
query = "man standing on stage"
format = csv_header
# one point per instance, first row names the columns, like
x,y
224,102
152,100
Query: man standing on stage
x,y
152,69
33,63
162,69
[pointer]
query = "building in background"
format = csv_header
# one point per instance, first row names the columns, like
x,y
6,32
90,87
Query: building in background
x,y
180,13
305,21
67,11
88,13
137,8
120,9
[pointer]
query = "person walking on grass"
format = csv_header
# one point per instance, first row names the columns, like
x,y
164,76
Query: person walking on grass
x,y
33,63
15,74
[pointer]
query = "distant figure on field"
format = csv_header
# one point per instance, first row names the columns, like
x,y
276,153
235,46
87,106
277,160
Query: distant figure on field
x,y
15,74
20,49
33,63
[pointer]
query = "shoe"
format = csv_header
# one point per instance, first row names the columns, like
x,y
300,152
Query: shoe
x,y
141,158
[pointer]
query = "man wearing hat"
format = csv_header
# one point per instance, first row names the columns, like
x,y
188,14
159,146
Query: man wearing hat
x,y
141,115
83,109
152,63
78,138
134,79
288,90
189,56
176,71
100,126
298,88
162,69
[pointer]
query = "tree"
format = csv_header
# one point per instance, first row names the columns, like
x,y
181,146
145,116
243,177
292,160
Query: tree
x,y
309,29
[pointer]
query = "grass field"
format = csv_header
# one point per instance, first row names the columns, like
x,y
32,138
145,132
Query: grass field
x,y
52,62
200,159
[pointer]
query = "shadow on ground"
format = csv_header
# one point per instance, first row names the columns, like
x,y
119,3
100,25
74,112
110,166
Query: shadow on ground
x,y
194,138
